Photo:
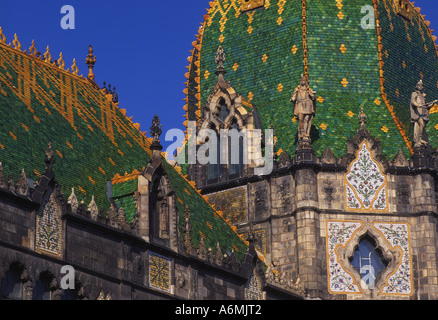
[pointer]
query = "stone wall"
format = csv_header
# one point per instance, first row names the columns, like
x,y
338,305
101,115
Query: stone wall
x,y
113,263
17,220
293,205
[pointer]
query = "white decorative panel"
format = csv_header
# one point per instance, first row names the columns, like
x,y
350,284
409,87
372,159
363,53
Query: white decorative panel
x,y
339,233
365,184
49,228
398,237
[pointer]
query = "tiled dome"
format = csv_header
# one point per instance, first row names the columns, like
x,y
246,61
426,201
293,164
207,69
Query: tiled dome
x,y
269,46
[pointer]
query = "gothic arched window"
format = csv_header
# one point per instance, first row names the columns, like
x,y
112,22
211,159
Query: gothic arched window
x,y
70,294
163,219
42,290
368,260
223,114
12,286
235,168
214,170
234,152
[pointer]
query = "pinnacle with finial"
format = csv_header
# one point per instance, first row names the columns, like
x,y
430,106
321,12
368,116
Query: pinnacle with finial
x,y
47,56
60,61
220,60
220,57
2,36
16,43
362,118
49,154
156,133
90,61
74,68
156,128
32,50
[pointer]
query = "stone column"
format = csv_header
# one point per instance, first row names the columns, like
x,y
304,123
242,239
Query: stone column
x,y
307,219
308,240
423,189
425,244
143,207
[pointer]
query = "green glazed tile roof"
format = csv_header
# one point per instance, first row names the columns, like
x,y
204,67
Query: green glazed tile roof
x,y
124,188
123,192
347,79
205,221
91,137
409,54
128,204
93,140
265,56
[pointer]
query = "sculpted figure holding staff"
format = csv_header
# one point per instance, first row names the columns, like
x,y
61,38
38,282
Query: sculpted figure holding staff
x,y
420,114
304,100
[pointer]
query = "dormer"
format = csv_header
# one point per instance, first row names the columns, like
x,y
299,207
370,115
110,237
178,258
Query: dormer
x,y
403,8
247,5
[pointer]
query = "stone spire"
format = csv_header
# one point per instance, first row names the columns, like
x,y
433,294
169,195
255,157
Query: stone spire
x,y
49,155
220,60
115,96
156,131
362,118
90,60
2,36
187,228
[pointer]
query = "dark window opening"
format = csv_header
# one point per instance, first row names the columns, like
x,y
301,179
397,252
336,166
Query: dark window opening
x,y
368,260
12,286
42,290
233,168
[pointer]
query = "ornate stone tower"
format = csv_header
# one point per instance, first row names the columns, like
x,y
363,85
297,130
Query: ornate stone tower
x,y
350,210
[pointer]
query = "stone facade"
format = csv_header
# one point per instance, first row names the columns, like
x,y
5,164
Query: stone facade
x,y
115,260
338,218
301,203
358,188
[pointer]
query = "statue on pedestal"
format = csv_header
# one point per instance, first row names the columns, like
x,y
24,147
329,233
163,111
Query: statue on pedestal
x,y
420,114
304,100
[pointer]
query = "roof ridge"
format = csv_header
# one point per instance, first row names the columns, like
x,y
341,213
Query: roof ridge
x,y
205,198
127,177
36,56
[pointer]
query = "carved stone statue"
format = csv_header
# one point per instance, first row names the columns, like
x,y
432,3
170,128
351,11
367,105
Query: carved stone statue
x,y
304,101
420,114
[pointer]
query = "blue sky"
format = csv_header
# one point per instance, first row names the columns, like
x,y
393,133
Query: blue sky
x,y
141,46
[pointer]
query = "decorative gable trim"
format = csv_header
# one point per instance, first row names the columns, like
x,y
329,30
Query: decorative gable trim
x,y
247,5
49,228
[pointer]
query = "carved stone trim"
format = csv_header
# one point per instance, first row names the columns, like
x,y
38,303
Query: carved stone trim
x,y
328,157
73,201
400,160
399,260
94,210
373,145
390,255
284,161
22,186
